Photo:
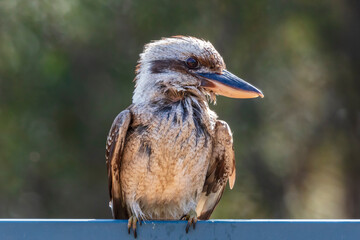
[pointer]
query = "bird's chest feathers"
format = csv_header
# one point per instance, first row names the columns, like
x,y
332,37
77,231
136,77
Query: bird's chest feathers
x,y
174,146
175,131
183,126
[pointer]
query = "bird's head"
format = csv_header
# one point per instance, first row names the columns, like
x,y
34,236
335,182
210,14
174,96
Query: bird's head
x,y
176,67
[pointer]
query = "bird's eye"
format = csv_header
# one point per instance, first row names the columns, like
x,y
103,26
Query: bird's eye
x,y
192,63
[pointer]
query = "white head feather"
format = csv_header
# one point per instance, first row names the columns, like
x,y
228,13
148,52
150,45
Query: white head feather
x,y
174,48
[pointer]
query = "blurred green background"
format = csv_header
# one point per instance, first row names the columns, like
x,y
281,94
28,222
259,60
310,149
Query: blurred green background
x,y
66,70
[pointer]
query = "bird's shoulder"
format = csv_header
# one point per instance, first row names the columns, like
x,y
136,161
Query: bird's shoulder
x,y
223,132
222,164
118,127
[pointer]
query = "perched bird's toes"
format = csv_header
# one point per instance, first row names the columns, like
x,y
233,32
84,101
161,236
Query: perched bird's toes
x,y
191,217
194,223
129,224
187,226
134,227
132,224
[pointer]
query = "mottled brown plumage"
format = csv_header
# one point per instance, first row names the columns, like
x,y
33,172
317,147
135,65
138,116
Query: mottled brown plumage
x,y
167,154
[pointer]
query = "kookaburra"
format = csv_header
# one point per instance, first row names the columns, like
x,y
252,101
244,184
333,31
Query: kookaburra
x,y
167,154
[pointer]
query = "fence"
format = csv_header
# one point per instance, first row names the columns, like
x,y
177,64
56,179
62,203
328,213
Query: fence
x,y
212,229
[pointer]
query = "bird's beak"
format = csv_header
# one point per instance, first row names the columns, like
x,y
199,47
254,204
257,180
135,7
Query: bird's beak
x,y
229,85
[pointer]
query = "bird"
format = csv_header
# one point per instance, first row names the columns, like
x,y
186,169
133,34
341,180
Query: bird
x,y
168,155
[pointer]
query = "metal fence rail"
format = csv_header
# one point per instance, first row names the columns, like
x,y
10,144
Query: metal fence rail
x,y
212,229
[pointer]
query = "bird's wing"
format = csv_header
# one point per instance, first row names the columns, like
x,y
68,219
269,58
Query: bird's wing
x,y
221,168
114,151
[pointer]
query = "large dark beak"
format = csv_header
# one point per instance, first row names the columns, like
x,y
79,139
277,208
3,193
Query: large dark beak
x,y
229,85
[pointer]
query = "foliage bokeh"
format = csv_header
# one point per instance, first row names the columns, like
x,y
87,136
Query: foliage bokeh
x,y
66,70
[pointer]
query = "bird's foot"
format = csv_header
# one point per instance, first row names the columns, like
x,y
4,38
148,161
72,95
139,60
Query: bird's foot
x,y
132,224
191,217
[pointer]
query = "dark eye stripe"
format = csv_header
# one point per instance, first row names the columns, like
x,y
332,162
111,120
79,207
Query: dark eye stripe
x,y
192,63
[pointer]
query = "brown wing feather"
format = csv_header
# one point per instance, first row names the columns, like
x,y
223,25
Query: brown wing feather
x,y
114,149
221,168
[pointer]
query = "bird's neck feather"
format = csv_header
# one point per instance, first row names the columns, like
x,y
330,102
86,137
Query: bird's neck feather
x,y
156,87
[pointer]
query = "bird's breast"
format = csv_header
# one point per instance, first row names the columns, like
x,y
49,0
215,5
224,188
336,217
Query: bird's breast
x,y
166,159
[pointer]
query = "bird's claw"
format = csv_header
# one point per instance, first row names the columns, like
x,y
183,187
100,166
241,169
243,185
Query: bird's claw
x,y
132,224
191,217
